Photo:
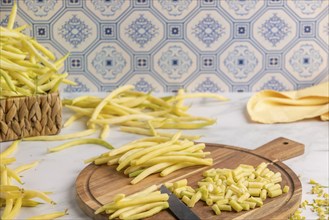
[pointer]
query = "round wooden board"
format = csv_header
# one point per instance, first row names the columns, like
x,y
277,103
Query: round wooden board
x,y
97,185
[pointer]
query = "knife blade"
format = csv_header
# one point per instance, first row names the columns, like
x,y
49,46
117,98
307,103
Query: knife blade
x,y
177,207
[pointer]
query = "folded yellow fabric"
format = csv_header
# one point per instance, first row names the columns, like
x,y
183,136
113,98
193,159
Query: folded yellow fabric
x,y
270,106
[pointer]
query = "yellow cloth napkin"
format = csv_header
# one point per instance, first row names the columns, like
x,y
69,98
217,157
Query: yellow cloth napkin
x,y
270,106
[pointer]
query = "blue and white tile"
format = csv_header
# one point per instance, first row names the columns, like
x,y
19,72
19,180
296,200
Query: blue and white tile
x,y
241,61
274,30
75,31
173,42
207,82
273,81
41,10
175,62
108,10
141,31
175,10
323,29
306,60
108,62
242,9
83,84
208,30
307,8
144,83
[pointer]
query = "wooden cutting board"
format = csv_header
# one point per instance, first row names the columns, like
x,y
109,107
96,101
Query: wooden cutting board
x,y
96,185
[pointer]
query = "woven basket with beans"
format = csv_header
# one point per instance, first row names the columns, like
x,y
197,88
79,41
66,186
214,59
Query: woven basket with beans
x,y
30,104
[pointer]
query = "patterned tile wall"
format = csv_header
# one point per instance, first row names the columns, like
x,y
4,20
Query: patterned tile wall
x,y
201,45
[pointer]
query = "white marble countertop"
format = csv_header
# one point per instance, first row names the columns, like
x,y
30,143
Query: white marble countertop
x,y
57,171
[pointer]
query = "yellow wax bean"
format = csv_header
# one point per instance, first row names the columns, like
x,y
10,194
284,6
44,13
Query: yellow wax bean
x,y
254,191
29,194
222,201
4,185
38,55
53,215
8,207
225,207
268,185
134,201
102,160
216,209
252,205
234,197
276,175
132,146
11,55
80,142
178,159
10,149
238,171
114,93
186,193
228,194
263,194
136,173
12,16
143,131
275,193
285,189
162,151
105,132
276,180
10,173
118,212
8,80
180,183
242,187
143,208
148,213
44,50
61,60
175,167
30,203
21,28
255,185
26,167
236,189
149,171
132,169
260,168
72,119
269,175
7,160
258,201
245,206
195,198
274,187
120,119
265,171
62,137
15,210
144,151
243,197
186,200
209,202
148,191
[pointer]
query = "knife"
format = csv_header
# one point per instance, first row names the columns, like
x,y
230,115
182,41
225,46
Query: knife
x,y
177,207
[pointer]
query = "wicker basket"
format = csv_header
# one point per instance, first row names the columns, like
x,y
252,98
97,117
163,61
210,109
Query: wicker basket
x,y
30,116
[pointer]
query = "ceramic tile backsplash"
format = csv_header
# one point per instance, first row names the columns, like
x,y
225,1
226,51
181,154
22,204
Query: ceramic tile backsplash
x,y
201,45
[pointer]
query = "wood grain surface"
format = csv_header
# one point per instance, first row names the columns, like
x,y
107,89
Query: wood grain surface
x,y
96,185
